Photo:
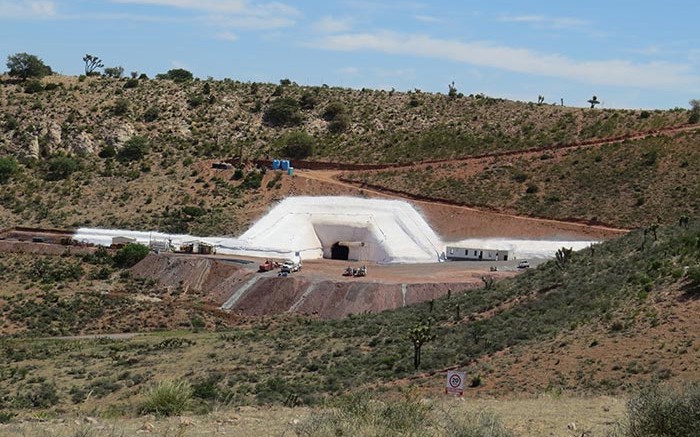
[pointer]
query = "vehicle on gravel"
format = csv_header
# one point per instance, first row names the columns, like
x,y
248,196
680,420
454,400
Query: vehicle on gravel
x,y
524,264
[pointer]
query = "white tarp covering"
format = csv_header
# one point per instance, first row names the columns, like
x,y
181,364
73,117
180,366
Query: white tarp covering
x,y
391,231
385,231
523,249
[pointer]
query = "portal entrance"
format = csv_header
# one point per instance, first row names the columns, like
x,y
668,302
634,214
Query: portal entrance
x,y
340,252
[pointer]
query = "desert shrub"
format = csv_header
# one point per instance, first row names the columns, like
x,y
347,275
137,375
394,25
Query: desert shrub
x,y
644,114
663,412
33,86
107,152
58,270
151,114
195,100
121,107
339,124
130,254
60,167
11,123
252,181
52,86
114,72
333,110
364,415
131,83
43,396
134,150
167,398
297,145
8,168
308,101
283,112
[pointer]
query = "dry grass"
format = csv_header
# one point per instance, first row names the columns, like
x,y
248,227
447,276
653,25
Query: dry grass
x,y
535,417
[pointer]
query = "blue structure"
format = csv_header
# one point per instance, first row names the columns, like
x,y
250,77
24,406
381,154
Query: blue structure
x,y
275,164
284,164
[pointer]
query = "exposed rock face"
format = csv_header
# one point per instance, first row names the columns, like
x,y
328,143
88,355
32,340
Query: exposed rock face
x,y
118,135
53,135
33,150
82,143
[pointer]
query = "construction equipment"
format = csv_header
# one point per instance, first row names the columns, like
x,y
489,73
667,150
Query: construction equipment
x,y
268,265
362,271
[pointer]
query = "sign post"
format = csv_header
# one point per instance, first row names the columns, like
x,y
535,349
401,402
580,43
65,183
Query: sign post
x,y
455,383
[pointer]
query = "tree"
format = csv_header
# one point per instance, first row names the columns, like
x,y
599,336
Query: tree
x,y
563,257
419,336
452,93
24,65
92,63
134,150
283,112
130,255
177,75
114,72
694,111
297,145
593,101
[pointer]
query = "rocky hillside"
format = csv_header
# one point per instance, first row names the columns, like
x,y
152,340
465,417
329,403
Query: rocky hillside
x,y
227,118
137,152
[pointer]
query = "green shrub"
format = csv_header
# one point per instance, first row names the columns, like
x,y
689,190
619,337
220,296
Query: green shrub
x,y
333,110
107,152
297,145
339,124
167,398
121,107
151,114
33,86
8,168
177,75
131,83
60,167
134,150
283,112
662,412
130,254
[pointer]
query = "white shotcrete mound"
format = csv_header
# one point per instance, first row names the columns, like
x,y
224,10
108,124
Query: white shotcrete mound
x,y
384,231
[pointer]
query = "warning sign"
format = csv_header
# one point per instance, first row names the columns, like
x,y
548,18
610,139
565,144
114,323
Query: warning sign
x,y
455,382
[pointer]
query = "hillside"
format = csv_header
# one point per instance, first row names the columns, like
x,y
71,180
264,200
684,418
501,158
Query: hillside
x,y
136,153
602,321
627,184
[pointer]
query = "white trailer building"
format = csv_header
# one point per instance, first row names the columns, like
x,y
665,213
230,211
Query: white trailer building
x,y
475,254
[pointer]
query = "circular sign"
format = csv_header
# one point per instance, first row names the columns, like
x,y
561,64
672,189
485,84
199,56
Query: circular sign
x,y
455,381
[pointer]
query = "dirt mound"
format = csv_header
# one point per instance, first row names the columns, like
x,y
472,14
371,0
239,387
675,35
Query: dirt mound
x,y
243,291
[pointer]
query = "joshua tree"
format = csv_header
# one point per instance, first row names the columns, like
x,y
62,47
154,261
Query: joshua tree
x,y
694,111
92,63
488,282
593,101
419,336
563,256
452,93
540,100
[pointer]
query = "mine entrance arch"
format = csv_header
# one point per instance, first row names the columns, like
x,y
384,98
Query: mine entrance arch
x,y
339,251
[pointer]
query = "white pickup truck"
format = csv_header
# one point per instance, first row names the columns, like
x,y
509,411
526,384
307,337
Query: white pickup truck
x,y
290,265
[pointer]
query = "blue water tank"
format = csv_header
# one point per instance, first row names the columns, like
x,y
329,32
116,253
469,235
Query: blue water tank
x,y
284,164
275,164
